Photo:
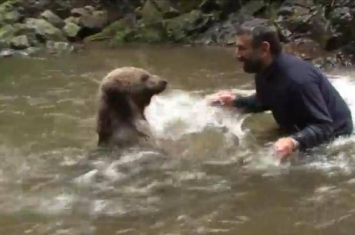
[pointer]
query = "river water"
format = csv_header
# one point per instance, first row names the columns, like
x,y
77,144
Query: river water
x,y
221,176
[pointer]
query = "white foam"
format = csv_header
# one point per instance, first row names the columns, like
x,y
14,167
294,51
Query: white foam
x,y
179,112
346,87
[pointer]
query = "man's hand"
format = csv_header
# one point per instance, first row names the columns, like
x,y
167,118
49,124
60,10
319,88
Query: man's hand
x,y
223,98
285,146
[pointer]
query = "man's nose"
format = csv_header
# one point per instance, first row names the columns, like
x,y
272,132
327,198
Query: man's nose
x,y
237,54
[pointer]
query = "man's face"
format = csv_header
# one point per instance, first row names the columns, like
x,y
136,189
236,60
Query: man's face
x,y
250,57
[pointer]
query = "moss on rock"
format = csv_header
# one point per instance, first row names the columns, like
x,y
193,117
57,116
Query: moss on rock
x,y
117,29
179,27
71,30
151,33
150,12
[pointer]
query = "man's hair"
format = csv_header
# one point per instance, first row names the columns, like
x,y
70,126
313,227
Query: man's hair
x,y
260,34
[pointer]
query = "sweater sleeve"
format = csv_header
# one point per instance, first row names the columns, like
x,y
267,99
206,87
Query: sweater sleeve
x,y
310,102
250,104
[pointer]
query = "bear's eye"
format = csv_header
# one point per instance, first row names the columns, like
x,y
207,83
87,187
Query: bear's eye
x,y
144,77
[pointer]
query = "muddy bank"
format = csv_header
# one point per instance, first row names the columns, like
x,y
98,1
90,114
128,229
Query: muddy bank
x,y
321,31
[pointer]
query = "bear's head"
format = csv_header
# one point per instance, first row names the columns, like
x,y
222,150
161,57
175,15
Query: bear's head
x,y
131,86
124,94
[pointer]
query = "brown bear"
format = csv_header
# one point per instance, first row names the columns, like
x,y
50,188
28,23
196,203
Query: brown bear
x,y
123,95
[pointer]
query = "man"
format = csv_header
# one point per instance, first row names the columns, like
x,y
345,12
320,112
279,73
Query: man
x,y
302,100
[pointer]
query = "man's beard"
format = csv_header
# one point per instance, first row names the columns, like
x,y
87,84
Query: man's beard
x,y
252,65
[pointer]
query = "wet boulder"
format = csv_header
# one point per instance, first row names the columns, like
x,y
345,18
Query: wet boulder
x,y
349,51
90,9
342,16
296,18
45,30
72,19
13,53
284,33
71,30
7,52
338,3
92,24
31,51
9,14
323,32
7,32
22,29
302,3
80,12
150,27
330,62
223,30
224,33
20,42
4,44
343,21
12,17
52,18
95,21
89,20
59,47
33,8
7,6
300,18
252,23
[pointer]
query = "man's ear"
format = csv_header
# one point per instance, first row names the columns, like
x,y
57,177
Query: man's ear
x,y
265,47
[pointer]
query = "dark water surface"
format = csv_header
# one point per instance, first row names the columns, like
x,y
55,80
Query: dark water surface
x,y
221,177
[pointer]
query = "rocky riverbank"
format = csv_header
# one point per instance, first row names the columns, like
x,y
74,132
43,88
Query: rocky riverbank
x,y
27,27
319,30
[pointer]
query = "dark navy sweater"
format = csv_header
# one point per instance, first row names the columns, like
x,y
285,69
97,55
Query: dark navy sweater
x,y
302,100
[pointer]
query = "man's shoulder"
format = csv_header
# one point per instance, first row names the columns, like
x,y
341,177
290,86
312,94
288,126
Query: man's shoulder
x,y
298,70
290,62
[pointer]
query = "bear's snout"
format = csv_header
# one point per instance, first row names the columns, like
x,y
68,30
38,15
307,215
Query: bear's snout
x,y
157,84
163,83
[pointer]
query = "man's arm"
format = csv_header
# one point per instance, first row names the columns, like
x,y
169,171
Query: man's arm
x,y
250,104
312,106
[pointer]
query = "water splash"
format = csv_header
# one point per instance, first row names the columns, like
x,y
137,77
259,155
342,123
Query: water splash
x,y
179,113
